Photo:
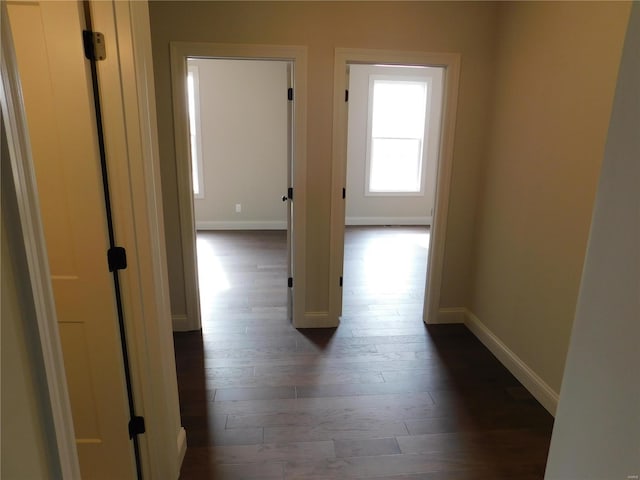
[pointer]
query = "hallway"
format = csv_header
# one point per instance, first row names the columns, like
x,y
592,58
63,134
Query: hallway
x,y
381,397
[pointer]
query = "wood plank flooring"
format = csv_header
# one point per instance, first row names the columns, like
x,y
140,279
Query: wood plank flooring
x,y
380,397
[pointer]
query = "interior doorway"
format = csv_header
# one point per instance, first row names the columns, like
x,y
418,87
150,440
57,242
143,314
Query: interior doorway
x,y
394,116
391,172
294,95
240,133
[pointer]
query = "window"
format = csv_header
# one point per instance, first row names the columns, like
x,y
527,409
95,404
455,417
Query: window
x,y
195,143
397,113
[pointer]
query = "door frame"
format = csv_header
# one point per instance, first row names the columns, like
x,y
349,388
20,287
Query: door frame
x,y
451,64
37,264
126,78
297,55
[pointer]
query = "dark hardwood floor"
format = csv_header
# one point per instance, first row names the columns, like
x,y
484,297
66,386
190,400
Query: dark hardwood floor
x,y
380,397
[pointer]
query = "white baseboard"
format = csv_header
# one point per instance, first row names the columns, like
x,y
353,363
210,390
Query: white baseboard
x,y
241,225
316,320
388,220
180,323
451,315
530,379
182,446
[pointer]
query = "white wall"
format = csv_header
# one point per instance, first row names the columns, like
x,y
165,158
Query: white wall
x,y
27,444
243,110
597,429
362,209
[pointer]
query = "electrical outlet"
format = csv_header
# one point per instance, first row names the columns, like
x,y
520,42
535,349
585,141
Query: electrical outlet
x,y
238,207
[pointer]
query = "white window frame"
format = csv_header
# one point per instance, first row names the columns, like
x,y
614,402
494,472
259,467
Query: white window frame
x,y
425,137
195,157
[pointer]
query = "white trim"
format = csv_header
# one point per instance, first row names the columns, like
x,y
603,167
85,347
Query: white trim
x,y
315,320
185,190
451,63
451,315
182,445
525,375
241,225
129,115
388,220
18,143
179,51
180,323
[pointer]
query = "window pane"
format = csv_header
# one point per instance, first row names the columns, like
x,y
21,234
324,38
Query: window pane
x,y
398,109
395,165
194,165
192,132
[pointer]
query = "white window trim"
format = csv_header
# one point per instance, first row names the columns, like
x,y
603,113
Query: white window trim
x,y
193,70
425,136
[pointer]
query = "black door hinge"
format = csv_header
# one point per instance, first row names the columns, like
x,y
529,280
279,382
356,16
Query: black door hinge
x,y
117,258
94,47
344,193
290,94
290,193
341,281
346,95
136,426
290,282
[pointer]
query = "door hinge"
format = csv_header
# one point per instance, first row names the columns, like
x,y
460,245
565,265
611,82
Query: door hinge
x,y
344,192
290,94
94,47
346,95
290,193
136,426
341,281
290,282
117,258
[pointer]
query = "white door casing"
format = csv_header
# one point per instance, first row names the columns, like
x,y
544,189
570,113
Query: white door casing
x,y
180,51
37,266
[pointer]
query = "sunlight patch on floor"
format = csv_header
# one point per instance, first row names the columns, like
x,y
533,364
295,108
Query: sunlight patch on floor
x,y
388,261
210,271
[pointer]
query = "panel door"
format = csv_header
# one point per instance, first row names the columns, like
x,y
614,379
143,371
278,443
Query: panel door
x,y
58,99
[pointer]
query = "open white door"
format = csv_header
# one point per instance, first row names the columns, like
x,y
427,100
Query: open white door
x,y
58,99
289,196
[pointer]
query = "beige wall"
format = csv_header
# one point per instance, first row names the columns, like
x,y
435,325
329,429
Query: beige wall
x,y
555,79
363,209
597,429
243,117
465,28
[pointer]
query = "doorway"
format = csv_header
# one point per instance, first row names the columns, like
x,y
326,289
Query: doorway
x,y
294,59
393,138
240,143
382,193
